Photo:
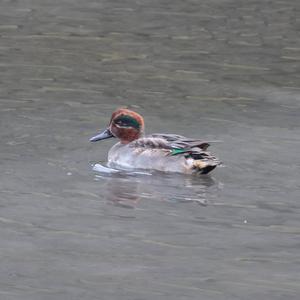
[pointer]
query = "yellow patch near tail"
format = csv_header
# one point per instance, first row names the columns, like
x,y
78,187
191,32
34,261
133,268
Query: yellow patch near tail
x,y
199,164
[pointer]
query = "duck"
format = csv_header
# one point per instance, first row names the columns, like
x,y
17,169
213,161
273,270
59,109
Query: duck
x,y
159,151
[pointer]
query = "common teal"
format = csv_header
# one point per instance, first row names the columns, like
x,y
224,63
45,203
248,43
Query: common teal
x,y
159,151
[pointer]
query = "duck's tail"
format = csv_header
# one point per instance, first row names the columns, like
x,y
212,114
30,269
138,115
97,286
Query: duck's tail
x,y
205,162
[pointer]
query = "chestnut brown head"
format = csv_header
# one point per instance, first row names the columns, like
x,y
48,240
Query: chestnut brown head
x,y
125,124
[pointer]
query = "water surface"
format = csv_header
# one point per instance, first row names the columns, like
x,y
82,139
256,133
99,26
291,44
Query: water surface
x,y
216,70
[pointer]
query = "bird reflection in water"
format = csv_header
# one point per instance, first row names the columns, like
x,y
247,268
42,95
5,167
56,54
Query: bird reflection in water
x,y
123,193
127,190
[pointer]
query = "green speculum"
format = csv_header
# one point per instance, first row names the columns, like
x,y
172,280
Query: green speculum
x,y
176,151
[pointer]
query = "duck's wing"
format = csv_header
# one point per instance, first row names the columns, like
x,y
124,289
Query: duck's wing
x,y
177,144
173,144
176,141
203,161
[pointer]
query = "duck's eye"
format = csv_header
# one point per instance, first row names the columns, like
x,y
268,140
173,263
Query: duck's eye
x,y
121,123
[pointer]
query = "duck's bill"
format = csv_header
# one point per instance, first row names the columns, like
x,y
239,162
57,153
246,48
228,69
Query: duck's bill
x,y
106,134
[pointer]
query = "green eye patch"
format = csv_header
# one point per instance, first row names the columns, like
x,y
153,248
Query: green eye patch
x,y
127,121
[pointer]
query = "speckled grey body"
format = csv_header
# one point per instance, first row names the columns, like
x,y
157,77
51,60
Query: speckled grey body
x,y
158,152
143,158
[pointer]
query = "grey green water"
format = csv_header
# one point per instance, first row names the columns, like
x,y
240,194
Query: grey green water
x,y
219,70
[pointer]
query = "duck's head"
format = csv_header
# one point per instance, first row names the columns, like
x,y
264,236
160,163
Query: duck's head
x,y
125,124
